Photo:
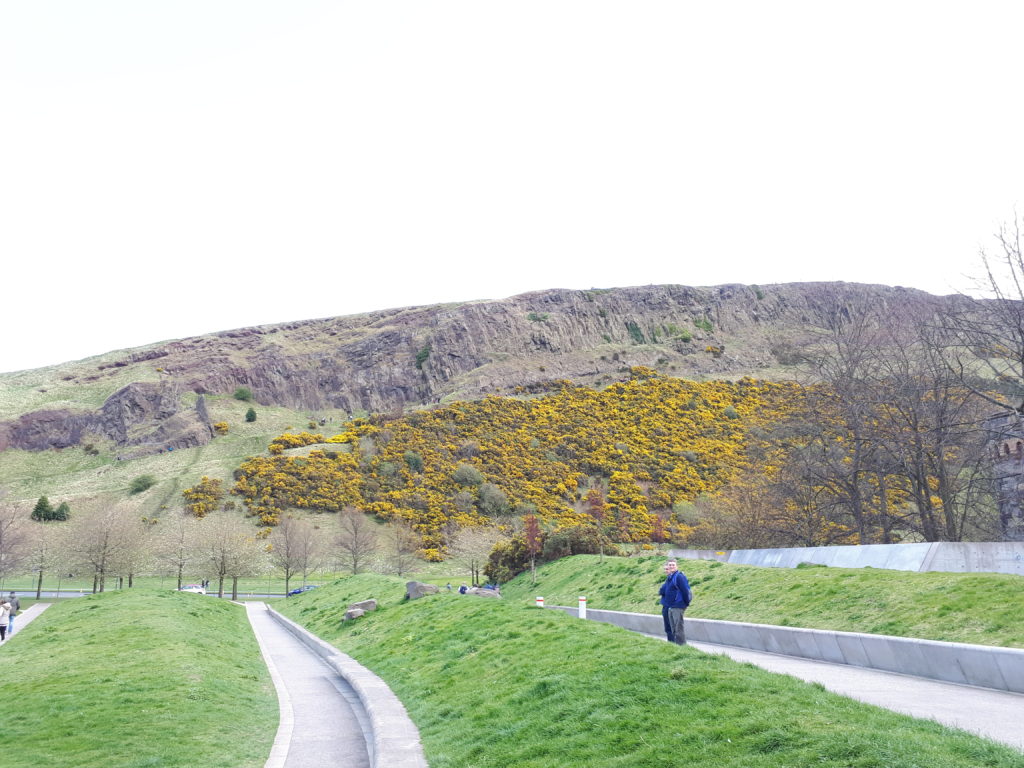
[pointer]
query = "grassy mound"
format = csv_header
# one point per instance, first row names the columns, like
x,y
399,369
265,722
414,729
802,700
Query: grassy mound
x,y
984,608
136,680
499,683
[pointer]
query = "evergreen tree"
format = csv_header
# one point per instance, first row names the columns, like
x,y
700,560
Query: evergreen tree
x,y
43,510
250,415
62,512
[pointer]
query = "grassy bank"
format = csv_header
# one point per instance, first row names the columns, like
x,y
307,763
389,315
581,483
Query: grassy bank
x,y
136,680
984,608
502,684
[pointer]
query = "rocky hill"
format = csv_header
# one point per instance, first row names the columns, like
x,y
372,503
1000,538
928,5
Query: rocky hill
x,y
150,399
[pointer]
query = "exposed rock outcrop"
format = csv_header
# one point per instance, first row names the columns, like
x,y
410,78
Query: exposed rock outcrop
x,y
384,361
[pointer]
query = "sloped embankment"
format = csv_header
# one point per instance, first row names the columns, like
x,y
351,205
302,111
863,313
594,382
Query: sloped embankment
x,y
137,678
500,683
982,608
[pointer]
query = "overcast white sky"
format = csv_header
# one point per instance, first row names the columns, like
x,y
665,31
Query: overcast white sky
x,y
175,168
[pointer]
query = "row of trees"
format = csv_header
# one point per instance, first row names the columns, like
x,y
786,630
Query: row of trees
x,y
117,544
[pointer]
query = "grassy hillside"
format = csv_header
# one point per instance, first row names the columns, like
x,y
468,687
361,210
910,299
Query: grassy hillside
x,y
502,684
125,680
985,608
87,481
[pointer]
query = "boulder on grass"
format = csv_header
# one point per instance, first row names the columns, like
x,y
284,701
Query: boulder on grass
x,y
417,589
352,613
365,605
481,592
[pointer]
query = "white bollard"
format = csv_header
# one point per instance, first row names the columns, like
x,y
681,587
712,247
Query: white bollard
x,y
540,602
583,607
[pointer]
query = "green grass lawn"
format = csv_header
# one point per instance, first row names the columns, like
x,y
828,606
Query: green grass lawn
x,y
505,685
984,608
140,679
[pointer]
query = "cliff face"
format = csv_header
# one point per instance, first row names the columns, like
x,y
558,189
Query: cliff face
x,y
386,360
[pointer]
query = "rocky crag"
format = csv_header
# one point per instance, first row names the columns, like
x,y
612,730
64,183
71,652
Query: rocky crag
x,y
393,359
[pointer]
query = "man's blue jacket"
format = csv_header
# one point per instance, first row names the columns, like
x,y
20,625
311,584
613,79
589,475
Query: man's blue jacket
x,y
674,591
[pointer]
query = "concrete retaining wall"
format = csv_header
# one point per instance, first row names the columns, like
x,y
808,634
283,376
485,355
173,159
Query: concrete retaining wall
x,y
981,665
958,557
396,740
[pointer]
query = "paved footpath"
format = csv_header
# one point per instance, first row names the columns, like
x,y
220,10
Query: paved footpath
x,y
25,617
996,715
322,721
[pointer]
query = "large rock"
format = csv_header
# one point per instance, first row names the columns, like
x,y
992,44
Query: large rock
x,y
352,613
364,605
481,592
417,589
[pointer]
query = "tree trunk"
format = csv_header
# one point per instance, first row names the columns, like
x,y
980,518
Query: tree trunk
x,y
39,585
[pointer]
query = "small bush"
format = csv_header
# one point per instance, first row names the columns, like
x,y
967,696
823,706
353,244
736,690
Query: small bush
x,y
414,461
141,483
422,355
704,324
220,427
537,317
243,393
250,415
635,333
467,474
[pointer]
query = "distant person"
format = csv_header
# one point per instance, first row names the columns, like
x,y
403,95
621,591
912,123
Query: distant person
x,y
463,589
675,599
448,586
15,610
5,613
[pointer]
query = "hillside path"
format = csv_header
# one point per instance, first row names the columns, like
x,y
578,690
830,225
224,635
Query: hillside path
x,y
321,719
996,715
24,618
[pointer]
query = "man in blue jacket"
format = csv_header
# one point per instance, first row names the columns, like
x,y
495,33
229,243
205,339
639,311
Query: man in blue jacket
x,y
675,598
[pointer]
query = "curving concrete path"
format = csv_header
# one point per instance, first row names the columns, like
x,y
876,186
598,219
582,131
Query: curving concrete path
x,y
996,715
25,617
322,721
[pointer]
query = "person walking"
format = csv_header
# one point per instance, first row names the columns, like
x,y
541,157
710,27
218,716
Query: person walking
x,y
15,610
675,599
5,612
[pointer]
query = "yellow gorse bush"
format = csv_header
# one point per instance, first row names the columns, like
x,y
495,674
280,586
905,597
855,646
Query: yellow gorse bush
x,y
654,441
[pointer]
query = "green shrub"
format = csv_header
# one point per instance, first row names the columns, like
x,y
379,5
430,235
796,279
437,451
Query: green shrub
x,y
141,483
635,333
413,460
704,324
422,355
243,393
537,317
467,474
250,415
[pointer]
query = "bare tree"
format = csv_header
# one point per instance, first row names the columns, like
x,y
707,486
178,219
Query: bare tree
x,y
231,550
43,552
470,547
13,537
177,544
294,548
356,540
985,344
399,544
101,542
